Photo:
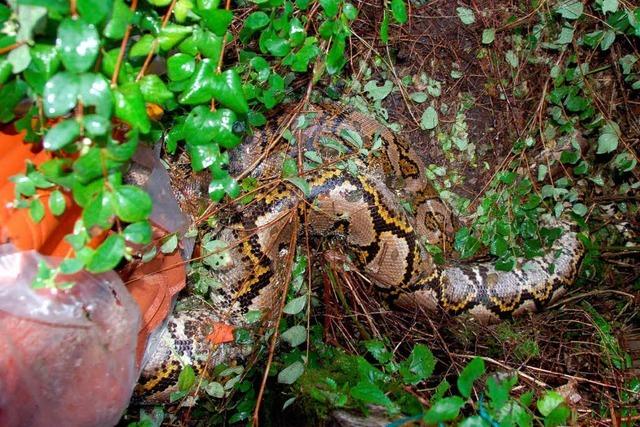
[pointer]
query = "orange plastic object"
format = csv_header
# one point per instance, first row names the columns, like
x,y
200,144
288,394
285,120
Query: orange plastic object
x,y
16,226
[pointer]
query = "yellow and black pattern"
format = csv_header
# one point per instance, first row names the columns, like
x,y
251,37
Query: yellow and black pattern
x,y
362,211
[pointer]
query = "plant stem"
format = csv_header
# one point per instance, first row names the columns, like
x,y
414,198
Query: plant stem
x,y
123,47
154,45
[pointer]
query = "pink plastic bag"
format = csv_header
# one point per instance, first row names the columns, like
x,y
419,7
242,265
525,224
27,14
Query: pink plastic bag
x,y
67,358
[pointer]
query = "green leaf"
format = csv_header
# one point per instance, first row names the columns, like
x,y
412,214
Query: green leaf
x,y
108,254
470,373
291,373
71,265
44,63
61,94
295,335
335,57
172,34
57,203
429,119
96,125
399,10
512,58
130,106
120,18
301,183
200,87
99,212
138,233
376,92
93,11
227,89
330,7
369,393
36,210
349,11
78,43
143,46
384,27
180,66
94,91
256,20
550,401
296,305
608,139
418,97
169,244
154,90
466,15
217,20
418,366
132,204
570,9
445,409
488,35
203,126
609,6
61,135
186,379
11,94
203,156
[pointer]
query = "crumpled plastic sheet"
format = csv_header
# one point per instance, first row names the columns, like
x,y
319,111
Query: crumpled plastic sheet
x,y
67,358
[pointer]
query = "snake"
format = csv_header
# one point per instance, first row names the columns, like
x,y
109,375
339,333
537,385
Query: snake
x,y
354,184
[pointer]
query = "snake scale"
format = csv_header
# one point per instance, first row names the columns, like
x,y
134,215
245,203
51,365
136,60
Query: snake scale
x,y
355,199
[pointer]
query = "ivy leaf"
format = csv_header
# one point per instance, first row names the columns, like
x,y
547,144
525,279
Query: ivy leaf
x,y
369,393
609,6
61,135
143,46
256,21
108,254
301,183
44,63
57,203
95,91
36,210
203,156
330,7
180,66
429,119
96,125
203,126
349,11
488,35
291,373
99,212
78,43
132,204
419,365
171,35
130,106
335,57
376,92
199,89
384,27
93,11
154,90
296,305
227,89
470,373
208,44
186,379
121,17
466,15
169,244
550,401
608,139
138,233
445,409
217,20
399,10
295,335
60,94
570,9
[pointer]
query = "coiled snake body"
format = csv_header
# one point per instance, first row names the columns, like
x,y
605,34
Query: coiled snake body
x,y
354,196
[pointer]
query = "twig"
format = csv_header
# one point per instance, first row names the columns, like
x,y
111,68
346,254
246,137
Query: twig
x,y
123,47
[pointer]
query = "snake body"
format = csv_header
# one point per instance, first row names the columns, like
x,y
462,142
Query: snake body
x,y
354,197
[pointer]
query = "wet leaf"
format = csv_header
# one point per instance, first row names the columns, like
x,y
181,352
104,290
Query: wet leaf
x,y
445,409
61,135
474,370
466,15
132,204
227,89
61,94
78,43
57,203
130,106
180,66
138,233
